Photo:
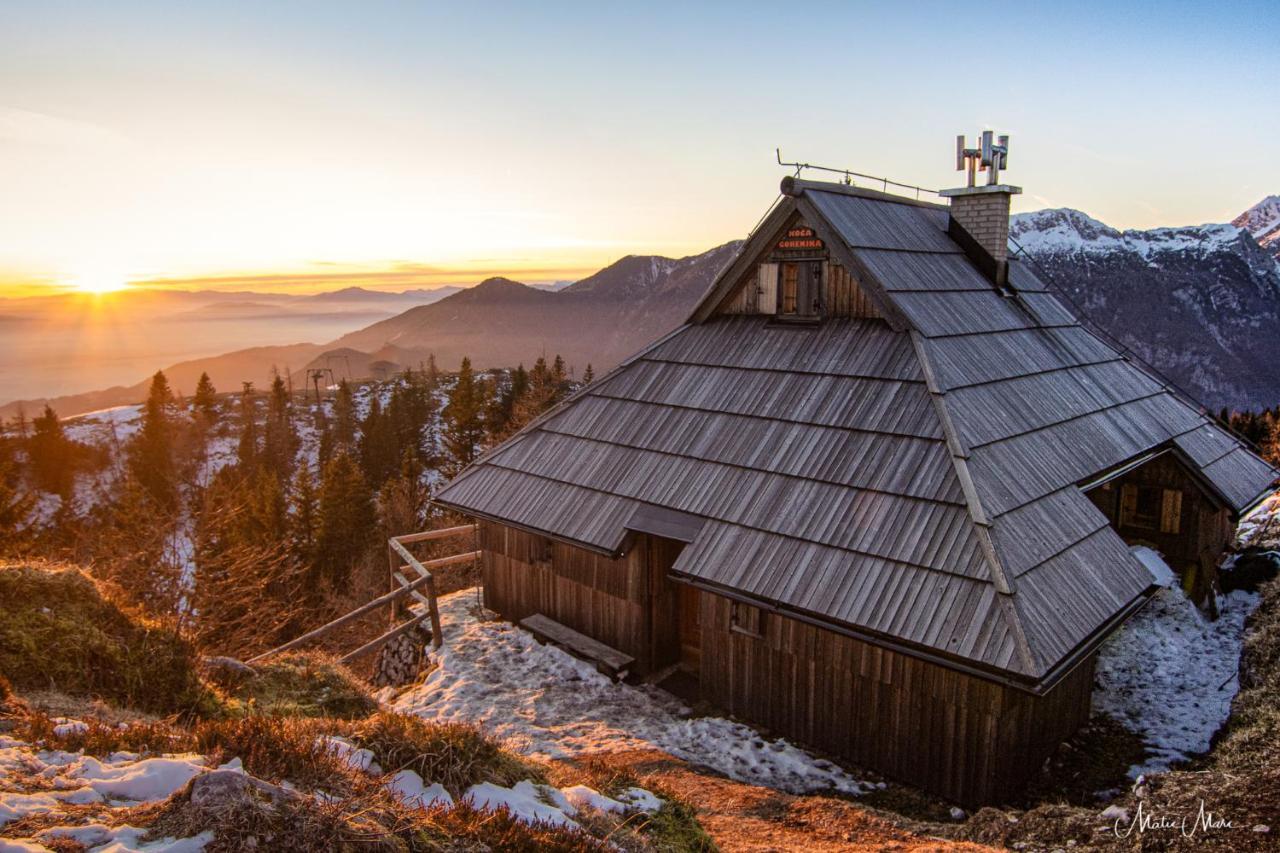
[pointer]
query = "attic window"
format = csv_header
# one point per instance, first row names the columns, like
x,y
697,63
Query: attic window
x,y
800,289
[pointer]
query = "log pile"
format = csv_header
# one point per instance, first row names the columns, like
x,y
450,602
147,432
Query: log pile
x,y
401,659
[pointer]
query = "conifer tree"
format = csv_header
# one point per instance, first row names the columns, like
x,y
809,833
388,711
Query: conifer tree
x,y
464,426
51,455
588,375
205,402
247,449
304,519
151,454
404,500
15,510
544,392
347,520
279,438
378,446
344,418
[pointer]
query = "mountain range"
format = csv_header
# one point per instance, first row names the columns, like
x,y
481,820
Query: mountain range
x,y
1201,304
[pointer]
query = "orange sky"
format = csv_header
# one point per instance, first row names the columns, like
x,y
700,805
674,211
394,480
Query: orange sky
x,y
398,145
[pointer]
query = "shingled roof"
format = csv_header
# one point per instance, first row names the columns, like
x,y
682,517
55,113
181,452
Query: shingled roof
x,y
915,479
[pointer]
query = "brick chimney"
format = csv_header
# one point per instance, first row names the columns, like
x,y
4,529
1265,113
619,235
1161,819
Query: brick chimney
x,y
980,214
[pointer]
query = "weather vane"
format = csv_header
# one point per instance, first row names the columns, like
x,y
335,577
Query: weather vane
x,y
990,158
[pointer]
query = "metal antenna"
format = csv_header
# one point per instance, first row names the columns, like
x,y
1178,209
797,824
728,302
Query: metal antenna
x,y
991,156
849,175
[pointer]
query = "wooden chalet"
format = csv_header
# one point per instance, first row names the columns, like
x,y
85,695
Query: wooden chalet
x,y
877,494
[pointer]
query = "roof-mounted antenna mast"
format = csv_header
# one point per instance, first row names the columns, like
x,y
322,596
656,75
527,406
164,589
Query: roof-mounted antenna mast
x,y
991,157
849,175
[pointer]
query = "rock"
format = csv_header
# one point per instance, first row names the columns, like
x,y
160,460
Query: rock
x,y
957,813
1261,827
219,790
1114,813
227,672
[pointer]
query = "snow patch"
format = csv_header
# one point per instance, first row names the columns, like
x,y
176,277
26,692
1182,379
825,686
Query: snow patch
x,y
526,801
1169,674
354,756
1160,571
547,704
411,790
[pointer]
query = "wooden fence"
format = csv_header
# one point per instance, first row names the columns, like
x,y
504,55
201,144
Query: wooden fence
x,y
410,577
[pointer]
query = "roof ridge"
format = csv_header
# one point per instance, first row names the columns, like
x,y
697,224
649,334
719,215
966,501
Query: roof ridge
x,y
1000,580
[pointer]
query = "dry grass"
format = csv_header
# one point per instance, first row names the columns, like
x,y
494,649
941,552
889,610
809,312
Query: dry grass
x,y
453,754
357,812
59,630
305,684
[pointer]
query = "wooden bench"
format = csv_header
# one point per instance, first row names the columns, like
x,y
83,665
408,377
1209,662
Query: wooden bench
x,y
608,660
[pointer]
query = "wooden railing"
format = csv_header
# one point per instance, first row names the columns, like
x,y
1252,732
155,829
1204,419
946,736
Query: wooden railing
x,y
410,577
401,561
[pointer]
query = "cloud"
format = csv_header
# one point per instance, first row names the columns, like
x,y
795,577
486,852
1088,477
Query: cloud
x,y
399,276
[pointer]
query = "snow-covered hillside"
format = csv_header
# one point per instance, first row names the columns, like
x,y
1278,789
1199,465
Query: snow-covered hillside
x,y
1263,222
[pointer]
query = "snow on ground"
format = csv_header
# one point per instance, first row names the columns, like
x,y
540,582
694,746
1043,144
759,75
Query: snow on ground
x,y
35,781
410,788
1169,674
527,801
105,426
548,704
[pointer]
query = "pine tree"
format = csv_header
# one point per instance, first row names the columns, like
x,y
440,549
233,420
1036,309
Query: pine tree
x,y
544,392
464,427
279,438
378,446
588,375
304,519
205,402
15,509
151,453
347,520
52,463
344,418
404,500
247,449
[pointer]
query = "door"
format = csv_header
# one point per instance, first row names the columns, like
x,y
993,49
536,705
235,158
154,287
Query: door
x,y
690,599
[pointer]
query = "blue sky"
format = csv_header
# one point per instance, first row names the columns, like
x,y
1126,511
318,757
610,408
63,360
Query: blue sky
x,y
143,139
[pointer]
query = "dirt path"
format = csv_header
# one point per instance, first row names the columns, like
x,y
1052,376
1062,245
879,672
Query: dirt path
x,y
743,817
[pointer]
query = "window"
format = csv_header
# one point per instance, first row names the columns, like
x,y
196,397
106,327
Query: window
x,y
800,288
1151,507
746,619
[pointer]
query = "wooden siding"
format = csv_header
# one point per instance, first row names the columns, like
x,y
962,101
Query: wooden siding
x,y
966,738
610,600
1190,529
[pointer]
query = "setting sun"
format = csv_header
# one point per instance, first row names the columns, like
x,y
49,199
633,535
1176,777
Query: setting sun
x,y
98,282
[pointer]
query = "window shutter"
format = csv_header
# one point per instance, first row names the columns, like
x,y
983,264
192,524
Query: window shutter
x,y
1171,511
1128,503
768,299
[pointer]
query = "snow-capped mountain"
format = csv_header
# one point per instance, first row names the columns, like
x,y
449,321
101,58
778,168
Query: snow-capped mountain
x,y
1263,222
1200,303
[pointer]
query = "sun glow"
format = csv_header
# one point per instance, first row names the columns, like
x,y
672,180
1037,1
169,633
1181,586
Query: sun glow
x,y
98,282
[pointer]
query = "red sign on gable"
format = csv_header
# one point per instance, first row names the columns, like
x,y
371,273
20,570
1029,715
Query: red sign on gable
x,y
800,237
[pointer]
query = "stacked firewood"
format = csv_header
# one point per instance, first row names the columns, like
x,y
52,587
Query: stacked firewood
x,y
401,659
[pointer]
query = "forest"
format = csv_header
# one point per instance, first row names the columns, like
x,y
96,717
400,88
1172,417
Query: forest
x,y
245,518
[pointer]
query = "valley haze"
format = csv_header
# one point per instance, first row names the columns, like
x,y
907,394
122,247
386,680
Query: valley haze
x,y
1199,303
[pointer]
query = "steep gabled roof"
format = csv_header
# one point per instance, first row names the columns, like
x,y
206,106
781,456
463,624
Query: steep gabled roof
x,y
914,478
